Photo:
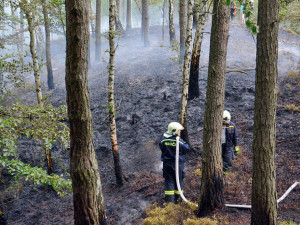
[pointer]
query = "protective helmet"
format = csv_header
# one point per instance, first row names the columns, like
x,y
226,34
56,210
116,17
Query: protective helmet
x,y
174,127
226,116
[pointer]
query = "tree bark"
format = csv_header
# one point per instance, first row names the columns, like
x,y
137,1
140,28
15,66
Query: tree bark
x,y
163,20
88,200
111,103
186,70
194,71
128,17
15,29
36,70
98,32
92,16
264,196
48,49
119,26
171,22
211,190
145,18
182,25
22,34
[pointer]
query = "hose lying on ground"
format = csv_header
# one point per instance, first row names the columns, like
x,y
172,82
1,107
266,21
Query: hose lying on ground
x,y
228,205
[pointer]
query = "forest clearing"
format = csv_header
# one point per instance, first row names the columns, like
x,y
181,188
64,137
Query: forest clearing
x,y
147,94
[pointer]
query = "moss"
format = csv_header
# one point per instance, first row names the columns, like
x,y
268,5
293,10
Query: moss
x,y
292,108
172,214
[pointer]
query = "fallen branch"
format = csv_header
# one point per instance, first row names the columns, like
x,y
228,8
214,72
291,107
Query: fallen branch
x,y
236,71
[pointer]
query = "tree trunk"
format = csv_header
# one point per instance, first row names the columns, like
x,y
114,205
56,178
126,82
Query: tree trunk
x,y
48,51
36,70
171,22
124,10
15,29
111,103
264,197
186,70
163,20
22,34
119,26
92,16
49,161
145,22
211,190
182,25
98,32
128,18
194,71
88,200
40,43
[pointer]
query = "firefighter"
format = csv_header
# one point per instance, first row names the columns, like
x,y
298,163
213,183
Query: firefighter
x,y
168,154
230,146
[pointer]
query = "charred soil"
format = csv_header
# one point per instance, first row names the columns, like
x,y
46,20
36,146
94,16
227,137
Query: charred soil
x,y
147,96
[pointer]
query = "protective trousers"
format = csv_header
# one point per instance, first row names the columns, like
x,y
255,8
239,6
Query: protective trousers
x,y
170,187
227,155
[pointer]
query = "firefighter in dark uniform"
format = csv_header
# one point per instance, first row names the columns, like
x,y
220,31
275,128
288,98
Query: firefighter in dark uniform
x,y
168,154
230,147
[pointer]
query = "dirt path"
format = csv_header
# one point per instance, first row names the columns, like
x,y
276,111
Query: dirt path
x,y
148,95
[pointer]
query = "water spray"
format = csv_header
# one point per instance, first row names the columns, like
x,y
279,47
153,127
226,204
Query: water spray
x,y
228,205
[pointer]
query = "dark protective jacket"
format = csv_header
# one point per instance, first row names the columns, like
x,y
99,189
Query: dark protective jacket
x,y
168,149
227,149
231,136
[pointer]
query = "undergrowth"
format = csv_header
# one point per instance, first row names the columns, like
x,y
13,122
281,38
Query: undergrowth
x,y
172,214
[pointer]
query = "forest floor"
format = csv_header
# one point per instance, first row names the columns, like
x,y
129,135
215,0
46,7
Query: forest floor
x,y
148,95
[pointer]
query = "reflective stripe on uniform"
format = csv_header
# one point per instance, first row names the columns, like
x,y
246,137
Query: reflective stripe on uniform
x,y
177,192
169,192
170,140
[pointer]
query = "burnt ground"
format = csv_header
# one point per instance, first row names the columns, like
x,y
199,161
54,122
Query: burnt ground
x,y
148,94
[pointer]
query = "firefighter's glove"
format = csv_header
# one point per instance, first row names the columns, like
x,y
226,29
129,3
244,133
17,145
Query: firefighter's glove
x,y
236,150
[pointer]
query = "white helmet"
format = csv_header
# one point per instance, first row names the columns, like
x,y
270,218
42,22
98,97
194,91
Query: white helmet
x,y
226,116
173,128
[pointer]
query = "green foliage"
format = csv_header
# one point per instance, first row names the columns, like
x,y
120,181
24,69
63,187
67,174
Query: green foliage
x,y
12,69
39,123
289,15
248,11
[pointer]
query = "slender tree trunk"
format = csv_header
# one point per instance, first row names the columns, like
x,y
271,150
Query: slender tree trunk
x,y
128,18
34,56
63,24
49,161
163,20
88,200
145,22
40,43
22,34
98,32
194,71
119,26
124,10
264,196
186,72
182,25
171,22
48,49
15,29
111,103
211,191
92,16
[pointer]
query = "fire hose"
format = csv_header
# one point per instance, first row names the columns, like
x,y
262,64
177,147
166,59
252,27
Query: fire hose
x,y
228,205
